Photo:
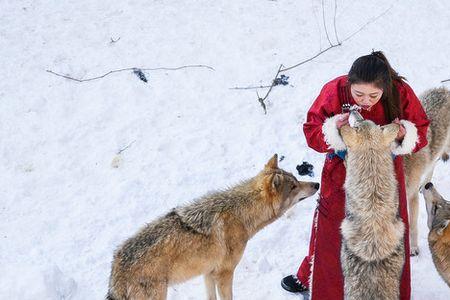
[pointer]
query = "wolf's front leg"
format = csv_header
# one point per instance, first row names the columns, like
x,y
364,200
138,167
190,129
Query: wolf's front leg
x,y
224,280
159,291
210,287
145,290
413,207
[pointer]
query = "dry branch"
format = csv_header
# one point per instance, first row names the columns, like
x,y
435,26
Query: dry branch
x,y
334,22
261,100
125,148
331,46
325,23
250,87
128,69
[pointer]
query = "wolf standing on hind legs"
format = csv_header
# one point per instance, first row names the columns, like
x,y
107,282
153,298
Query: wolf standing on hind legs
x,y
436,103
206,237
372,253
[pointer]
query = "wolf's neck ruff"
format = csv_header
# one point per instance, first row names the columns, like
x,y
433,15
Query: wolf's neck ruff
x,y
370,175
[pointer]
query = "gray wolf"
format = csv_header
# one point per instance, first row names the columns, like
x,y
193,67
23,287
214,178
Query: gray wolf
x,y
419,166
438,211
206,237
372,252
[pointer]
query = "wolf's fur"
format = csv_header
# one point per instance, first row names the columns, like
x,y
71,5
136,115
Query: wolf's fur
x,y
439,236
419,166
206,237
372,253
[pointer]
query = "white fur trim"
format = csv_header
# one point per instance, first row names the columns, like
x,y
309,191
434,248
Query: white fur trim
x,y
331,133
409,141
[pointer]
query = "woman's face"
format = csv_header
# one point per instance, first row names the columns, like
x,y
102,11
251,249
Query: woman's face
x,y
366,94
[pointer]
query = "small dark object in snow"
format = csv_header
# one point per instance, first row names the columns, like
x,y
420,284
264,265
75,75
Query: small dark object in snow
x,y
283,80
305,169
140,74
281,157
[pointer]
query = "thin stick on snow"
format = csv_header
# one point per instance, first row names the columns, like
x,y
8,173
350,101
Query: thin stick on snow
x,y
128,69
331,46
261,100
325,23
311,58
340,43
446,80
368,23
128,146
250,87
334,22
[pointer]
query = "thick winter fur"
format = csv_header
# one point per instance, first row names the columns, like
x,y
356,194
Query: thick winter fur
x,y
206,237
372,253
439,236
419,166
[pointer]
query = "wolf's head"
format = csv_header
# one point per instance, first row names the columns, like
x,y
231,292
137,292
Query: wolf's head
x,y
438,210
368,135
281,189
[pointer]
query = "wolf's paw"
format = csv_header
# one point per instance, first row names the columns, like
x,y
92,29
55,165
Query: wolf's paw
x,y
414,251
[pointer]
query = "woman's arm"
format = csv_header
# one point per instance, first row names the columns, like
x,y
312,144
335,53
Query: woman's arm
x,y
414,120
320,127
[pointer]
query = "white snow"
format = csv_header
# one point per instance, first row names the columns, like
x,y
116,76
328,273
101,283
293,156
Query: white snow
x,y
68,200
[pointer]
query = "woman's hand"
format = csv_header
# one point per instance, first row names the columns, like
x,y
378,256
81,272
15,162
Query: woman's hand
x,y
342,120
402,131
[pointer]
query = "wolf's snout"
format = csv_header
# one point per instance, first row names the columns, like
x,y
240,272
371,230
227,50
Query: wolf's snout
x,y
316,185
428,186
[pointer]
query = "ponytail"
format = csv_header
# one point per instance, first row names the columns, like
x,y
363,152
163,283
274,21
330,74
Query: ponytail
x,y
376,69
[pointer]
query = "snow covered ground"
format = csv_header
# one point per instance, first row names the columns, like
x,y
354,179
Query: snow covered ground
x,y
64,208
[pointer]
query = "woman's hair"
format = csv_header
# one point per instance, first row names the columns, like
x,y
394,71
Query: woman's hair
x,y
375,68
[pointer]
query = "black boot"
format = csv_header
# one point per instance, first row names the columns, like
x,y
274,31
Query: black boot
x,y
292,284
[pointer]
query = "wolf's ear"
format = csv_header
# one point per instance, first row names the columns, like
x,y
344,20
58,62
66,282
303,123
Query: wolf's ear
x,y
442,227
390,132
277,181
348,135
273,162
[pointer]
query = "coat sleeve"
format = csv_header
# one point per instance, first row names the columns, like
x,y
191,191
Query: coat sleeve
x,y
415,121
320,128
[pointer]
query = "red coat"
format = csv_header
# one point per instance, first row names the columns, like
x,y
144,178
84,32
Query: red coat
x,y
326,280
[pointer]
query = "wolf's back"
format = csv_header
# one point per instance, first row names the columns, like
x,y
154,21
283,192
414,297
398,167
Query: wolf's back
x,y
434,100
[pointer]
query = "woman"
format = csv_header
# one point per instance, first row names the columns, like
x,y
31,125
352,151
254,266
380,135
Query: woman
x,y
384,98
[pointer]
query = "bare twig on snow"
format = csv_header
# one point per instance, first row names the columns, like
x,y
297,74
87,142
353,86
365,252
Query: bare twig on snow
x,y
128,146
331,46
128,69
